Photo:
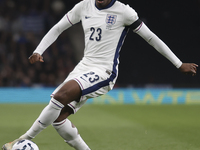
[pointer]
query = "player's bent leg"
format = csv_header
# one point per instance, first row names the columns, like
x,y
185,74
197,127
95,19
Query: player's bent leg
x,y
68,131
70,134
49,114
68,92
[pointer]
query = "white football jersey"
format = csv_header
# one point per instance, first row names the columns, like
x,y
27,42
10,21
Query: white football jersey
x,y
105,31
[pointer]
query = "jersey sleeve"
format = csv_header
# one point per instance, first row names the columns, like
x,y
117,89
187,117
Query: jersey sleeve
x,y
74,15
158,44
52,35
130,15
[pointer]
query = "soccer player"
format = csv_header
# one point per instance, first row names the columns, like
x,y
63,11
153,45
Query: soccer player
x,y
105,24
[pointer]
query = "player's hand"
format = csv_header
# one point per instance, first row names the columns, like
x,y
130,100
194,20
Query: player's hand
x,y
35,58
189,68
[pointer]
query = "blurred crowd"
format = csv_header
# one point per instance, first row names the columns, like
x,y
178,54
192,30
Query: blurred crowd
x,y
22,25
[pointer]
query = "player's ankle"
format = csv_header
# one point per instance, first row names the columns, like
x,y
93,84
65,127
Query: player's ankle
x,y
25,136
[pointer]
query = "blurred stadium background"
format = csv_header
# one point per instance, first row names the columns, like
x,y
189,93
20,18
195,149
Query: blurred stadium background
x,y
23,23
145,77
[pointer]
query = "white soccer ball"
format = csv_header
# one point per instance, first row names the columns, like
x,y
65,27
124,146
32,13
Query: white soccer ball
x,y
25,145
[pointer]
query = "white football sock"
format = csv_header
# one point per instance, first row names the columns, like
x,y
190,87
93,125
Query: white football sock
x,y
70,134
49,114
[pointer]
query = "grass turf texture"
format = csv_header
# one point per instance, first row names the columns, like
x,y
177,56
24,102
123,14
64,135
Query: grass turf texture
x,y
112,127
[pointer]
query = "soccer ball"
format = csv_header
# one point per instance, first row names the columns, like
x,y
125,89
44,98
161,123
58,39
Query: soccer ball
x,y
25,145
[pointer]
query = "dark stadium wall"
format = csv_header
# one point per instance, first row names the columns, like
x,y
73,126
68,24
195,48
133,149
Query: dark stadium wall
x,y
177,23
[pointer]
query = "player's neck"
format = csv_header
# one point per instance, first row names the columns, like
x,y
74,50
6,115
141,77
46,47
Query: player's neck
x,y
101,4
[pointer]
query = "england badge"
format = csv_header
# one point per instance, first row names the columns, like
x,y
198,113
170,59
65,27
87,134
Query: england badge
x,y
110,20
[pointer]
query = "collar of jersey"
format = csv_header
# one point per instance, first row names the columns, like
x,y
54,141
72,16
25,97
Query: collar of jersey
x,y
108,6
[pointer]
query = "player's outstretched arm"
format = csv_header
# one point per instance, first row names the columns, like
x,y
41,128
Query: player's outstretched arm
x,y
189,68
160,46
35,57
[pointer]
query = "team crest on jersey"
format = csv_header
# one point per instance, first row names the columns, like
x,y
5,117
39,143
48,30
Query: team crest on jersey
x,y
110,20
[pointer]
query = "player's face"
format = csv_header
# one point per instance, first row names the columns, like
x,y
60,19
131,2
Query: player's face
x,y
102,3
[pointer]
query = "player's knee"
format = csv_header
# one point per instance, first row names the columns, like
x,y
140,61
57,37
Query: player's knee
x,y
62,96
59,96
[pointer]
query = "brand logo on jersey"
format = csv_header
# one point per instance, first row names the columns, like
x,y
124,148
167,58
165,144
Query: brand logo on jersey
x,y
87,17
110,20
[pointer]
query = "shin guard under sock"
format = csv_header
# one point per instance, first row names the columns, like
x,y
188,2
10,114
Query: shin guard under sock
x,y
49,114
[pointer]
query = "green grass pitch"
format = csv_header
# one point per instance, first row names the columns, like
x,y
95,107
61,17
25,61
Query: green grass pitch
x,y
112,127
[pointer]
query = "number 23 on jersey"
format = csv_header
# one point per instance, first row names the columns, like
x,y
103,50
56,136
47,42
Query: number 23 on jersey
x,y
98,36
